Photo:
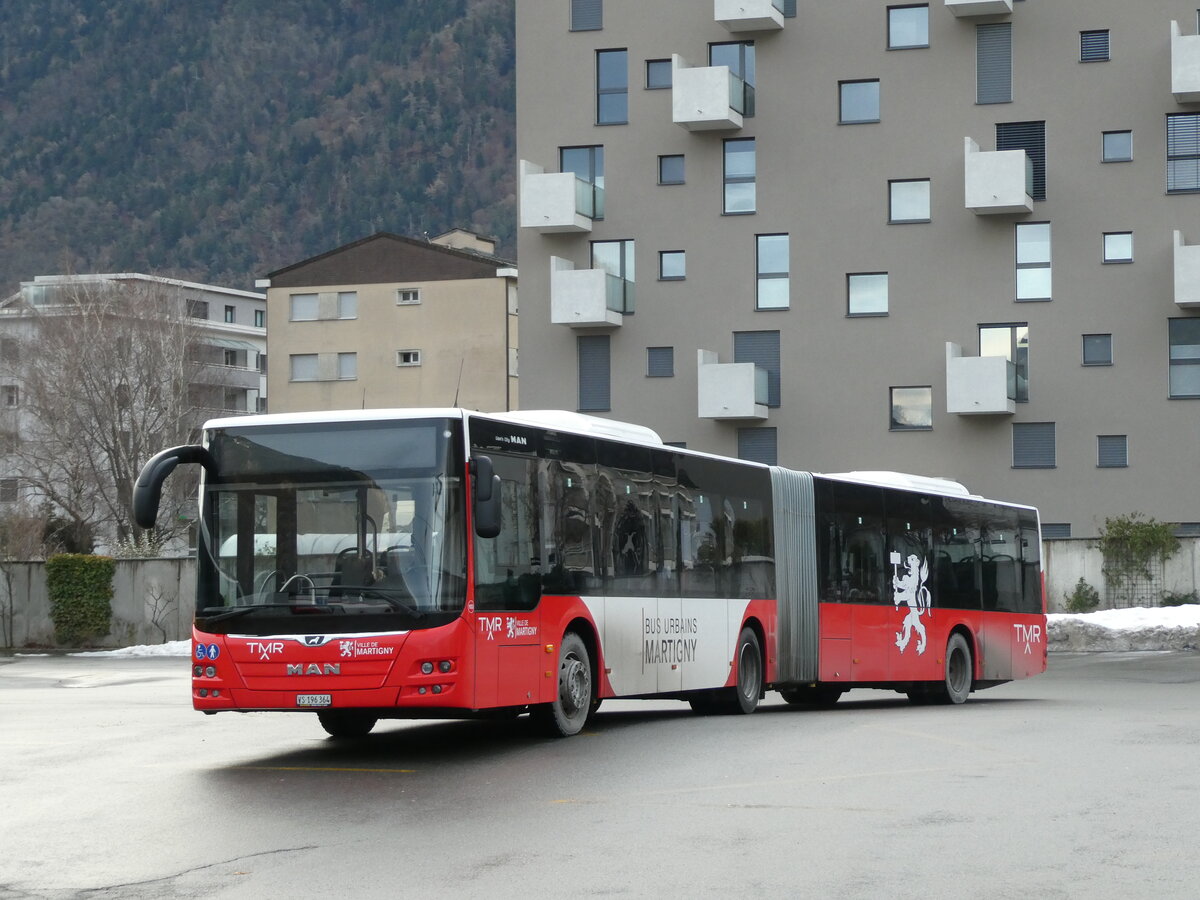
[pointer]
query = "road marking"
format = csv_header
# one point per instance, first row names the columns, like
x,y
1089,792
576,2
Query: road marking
x,y
319,769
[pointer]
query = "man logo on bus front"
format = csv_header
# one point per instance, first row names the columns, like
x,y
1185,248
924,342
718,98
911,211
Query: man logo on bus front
x,y
910,590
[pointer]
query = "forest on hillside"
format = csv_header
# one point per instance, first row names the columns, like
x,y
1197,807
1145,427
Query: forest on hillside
x,y
218,140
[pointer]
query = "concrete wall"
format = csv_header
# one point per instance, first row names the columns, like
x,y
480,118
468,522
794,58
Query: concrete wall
x,y
152,603
1069,560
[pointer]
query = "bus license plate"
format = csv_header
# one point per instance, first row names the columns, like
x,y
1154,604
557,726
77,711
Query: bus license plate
x,y
314,700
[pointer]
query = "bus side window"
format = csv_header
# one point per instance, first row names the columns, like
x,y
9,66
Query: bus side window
x,y
508,567
860,523
1031,563
699,543
567,490
1001,554
753,564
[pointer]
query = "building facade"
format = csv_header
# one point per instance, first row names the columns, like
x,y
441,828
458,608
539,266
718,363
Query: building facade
x,y
958,238
391,321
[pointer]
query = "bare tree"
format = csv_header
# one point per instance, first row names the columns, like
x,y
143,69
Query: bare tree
x,y
106,373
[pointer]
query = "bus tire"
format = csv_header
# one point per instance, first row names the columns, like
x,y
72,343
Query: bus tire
x,y
576,692
343,724
748,663
959,671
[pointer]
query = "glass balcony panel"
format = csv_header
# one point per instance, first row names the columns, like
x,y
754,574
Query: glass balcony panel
x,y
762,390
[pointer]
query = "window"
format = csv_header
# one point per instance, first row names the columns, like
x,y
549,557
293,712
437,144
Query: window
x,y
1097,350
867,294
10,350
347,366
1030,137
1033,261
1093,46
260,318
762,349
12,395
408,357
408,296
1051,530
197,309
740,169
670,169
993,63
347,304
772,284
672,265
304,307
908,27
758,445
1011,342
616,258
230,314
1184,374
1112,451
587,15
1116,146
262,363
908,200
1118,246
658,74
739,57
9,490
612,87
1183,152
911,409
1033,445
231,359
858,102
304,366
587,164
660,362
593,353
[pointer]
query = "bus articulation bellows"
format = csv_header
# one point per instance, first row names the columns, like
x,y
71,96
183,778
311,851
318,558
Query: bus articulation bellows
x,y
443,563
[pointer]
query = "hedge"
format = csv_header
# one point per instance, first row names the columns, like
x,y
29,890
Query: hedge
x,y
80,589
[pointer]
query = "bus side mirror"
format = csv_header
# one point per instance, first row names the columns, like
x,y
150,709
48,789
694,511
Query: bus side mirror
x,y
147,490
486,497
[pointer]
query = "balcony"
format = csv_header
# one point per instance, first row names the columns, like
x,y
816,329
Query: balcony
x,y
729,390
1187,273
558,202
705,98
749,15
996,182
969,8
587,298
1185,66
979,385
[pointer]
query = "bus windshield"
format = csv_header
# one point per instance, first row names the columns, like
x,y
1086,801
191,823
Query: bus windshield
x,y
360,523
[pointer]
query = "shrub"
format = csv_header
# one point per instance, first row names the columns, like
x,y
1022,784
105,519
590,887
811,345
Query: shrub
x,y
1083,599
80,589
1173,598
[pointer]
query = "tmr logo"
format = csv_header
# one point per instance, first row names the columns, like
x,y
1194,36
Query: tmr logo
x,y
314,669
489,625
1029,635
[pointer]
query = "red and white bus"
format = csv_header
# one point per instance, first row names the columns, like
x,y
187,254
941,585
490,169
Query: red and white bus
x,y
442,563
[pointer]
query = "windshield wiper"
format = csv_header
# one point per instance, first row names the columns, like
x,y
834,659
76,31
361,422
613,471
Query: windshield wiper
x,y
238,611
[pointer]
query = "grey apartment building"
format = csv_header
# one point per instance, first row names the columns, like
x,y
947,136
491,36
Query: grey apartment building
x,y
958,238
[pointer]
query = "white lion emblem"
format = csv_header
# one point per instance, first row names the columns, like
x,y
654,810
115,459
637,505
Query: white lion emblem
x,y
910,590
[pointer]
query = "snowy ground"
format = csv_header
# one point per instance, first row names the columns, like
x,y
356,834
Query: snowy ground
x,y
1168,628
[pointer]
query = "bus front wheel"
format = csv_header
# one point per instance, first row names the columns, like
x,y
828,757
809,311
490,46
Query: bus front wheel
x,y
576,692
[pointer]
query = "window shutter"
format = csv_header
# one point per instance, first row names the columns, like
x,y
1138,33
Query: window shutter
x,y
1052,530
993,63
762,349
1093,46
1112,451
1183,152
587,15
1030,137
758,445
660,362
594,372
1033,445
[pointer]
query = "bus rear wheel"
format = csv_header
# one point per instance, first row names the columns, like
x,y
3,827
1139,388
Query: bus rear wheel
x,y
342,724
749,664
959,671
576,691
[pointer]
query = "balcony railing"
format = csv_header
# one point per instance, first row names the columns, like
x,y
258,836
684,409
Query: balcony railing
x,y
1187,273
734,391
996,181
979,385
1185,65
968,8
558,202
587,298
749,15
706,98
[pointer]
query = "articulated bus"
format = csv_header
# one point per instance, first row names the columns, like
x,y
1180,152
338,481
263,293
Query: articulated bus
x,y
383,564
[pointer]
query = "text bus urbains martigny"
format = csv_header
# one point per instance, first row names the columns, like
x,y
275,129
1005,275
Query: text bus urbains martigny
x,y
441,563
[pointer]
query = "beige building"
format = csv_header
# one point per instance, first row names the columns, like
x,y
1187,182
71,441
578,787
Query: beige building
x,y
958,238
391,321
